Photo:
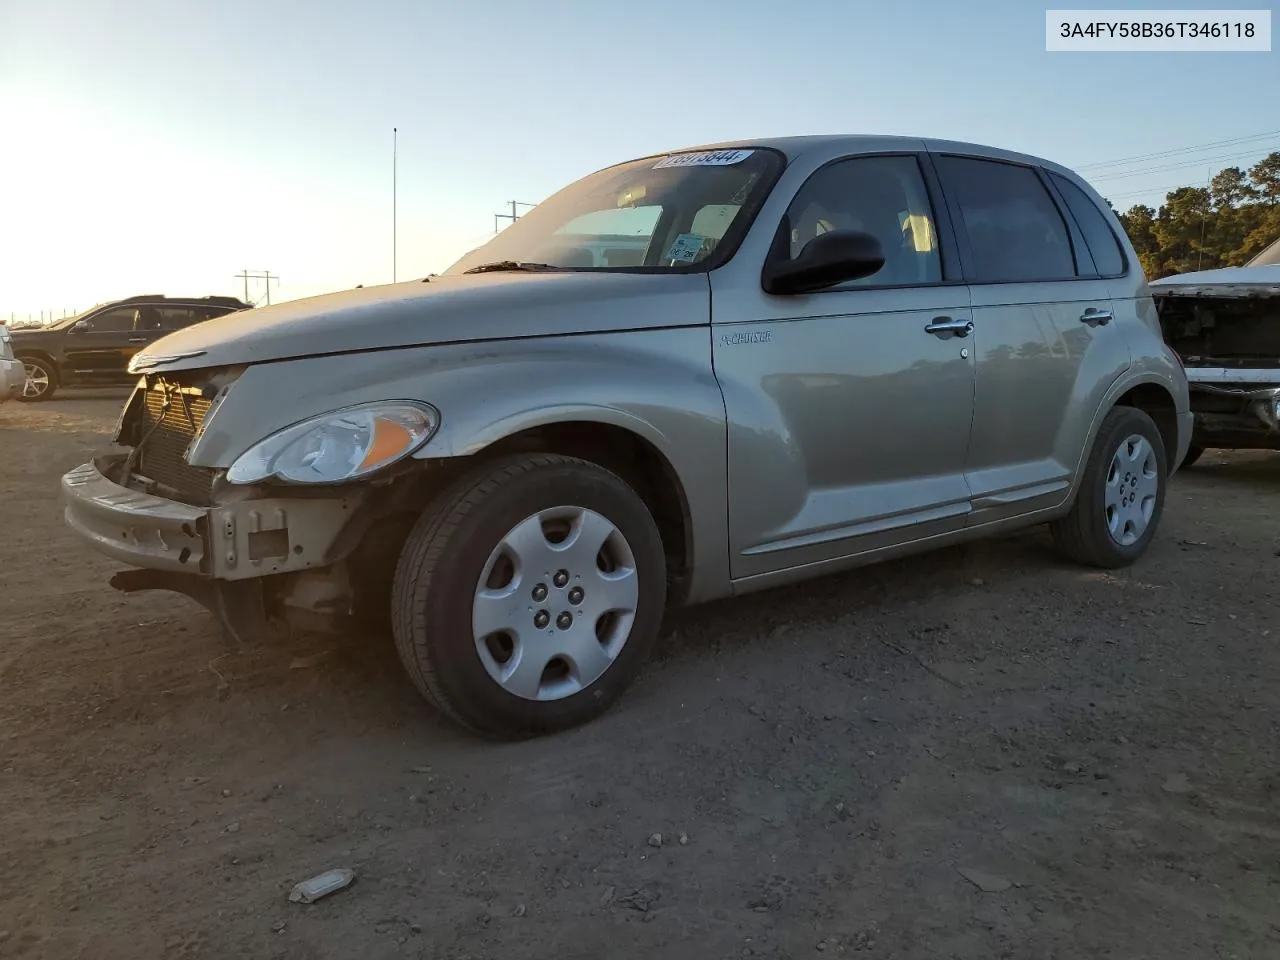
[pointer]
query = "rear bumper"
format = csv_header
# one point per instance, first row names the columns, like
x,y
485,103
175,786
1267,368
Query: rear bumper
x,y
236,541
12,379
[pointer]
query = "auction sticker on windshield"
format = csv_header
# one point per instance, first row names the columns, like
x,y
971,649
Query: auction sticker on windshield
x,y
686,248
707,158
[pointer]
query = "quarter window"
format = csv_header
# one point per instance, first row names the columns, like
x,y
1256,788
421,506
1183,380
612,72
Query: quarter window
x,y
883,196
1107,255
1015,230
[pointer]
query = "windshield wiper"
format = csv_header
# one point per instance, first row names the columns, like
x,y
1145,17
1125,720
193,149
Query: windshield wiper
x,y
511,265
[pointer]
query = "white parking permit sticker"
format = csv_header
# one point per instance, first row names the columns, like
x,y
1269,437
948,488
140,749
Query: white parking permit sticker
x,y
708,158
685,248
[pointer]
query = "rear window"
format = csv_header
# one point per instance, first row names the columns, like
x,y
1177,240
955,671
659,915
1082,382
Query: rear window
x,y
1107,255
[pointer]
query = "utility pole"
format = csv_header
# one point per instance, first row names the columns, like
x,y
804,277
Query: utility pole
x,y
394,144
513,216
266,276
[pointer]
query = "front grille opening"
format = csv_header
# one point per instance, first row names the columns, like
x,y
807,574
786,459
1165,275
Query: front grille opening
x,y
169,418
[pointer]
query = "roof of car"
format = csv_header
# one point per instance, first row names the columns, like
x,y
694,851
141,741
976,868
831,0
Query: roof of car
x,y
216,301
793,147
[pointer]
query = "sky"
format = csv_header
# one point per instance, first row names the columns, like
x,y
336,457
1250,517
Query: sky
x,y
154,146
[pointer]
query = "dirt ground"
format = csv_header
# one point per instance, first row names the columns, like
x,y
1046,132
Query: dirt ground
x,y
834,769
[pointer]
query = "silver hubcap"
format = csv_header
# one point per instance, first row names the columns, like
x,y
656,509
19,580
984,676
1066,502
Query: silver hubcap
x,y
1132,483
555,603
37,380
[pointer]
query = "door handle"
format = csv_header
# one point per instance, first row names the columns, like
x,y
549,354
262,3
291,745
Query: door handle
x,y
946,326
137,339
1095,317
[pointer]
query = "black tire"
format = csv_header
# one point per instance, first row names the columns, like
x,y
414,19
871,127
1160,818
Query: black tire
x,y
440,567
50,373
1082,535
1194,453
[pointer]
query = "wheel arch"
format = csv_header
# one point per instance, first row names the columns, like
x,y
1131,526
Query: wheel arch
x,y
51,366
1149,391
624,445
37,353
1155,400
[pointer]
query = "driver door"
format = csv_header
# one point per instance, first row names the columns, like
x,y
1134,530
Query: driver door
x,y
98,348
849,409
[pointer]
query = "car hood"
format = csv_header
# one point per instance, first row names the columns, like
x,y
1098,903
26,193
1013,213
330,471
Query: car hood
x,y
491,306
1263,281
27,333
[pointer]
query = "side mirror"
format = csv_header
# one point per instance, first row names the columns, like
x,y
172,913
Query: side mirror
x,y
80,326
826,260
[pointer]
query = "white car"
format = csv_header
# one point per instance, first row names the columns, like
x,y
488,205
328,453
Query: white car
x,y
12,376
1225,325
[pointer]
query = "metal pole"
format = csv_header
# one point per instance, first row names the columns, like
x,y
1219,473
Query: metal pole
x,y
1208,187
394,144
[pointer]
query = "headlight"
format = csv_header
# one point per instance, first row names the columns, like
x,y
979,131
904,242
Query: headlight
x,y
341,445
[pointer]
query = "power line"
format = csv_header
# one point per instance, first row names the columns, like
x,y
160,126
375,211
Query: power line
x,y
1177,150
1140,193
1222,158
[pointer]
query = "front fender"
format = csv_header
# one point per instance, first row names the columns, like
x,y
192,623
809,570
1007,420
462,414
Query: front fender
x,y
658,384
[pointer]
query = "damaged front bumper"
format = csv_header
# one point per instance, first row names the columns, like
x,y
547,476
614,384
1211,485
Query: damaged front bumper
x,y
1235,408
216,555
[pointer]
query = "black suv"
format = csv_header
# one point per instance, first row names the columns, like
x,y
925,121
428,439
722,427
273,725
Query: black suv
x,y
95,347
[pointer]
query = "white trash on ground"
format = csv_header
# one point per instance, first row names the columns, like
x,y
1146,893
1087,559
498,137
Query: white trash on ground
x,y
331,881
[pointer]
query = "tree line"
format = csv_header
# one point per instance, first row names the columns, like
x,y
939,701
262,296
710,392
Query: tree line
x,y
1223,224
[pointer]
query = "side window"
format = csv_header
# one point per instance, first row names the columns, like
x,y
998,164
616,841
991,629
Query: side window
x,y
883,196
1107,255
148,318
1014,227
119,320
175,318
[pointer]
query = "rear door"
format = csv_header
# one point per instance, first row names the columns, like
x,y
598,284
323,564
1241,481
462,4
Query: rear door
x,y
1045,346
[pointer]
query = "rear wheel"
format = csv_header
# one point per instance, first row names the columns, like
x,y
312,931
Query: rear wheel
x,y
42,379
1121,495
527,599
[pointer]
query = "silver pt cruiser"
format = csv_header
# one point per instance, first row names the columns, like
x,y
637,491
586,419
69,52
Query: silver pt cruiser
x,y
689,376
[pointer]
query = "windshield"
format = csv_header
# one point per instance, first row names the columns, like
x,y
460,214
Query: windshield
x,y
662,214
1269,257
68,321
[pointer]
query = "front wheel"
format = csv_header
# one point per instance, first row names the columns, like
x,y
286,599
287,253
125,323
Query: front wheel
x,y
529,596
1121,495
41,379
